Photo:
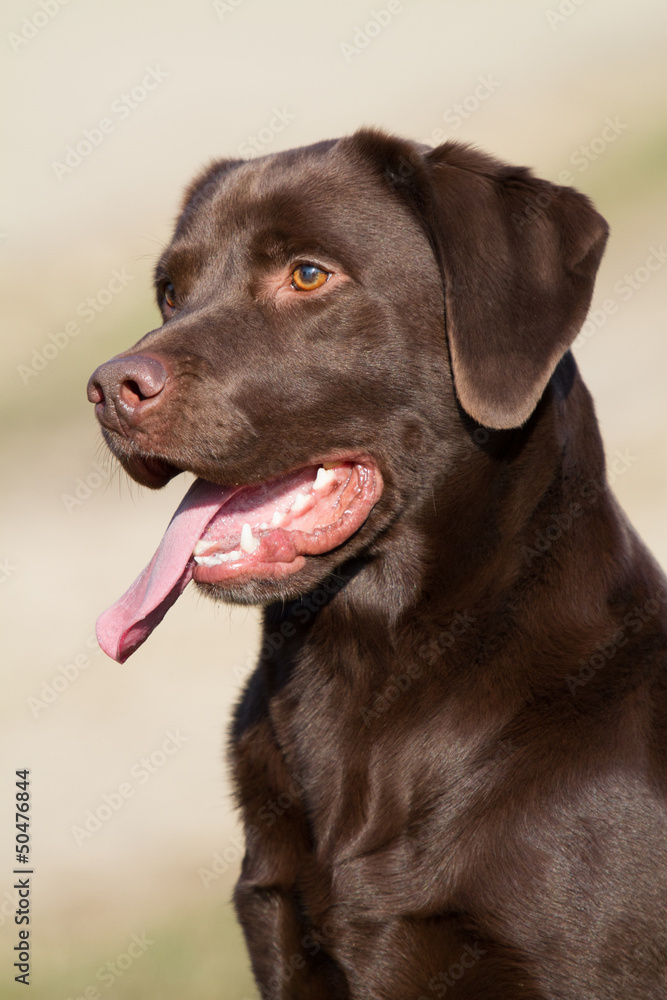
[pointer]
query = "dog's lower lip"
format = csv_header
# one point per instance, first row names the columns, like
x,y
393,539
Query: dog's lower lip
x,y
150,471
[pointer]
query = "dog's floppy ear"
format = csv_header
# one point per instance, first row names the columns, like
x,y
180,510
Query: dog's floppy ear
x,y
518,258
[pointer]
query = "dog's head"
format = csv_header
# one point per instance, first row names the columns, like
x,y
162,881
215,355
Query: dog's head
x,y
334,320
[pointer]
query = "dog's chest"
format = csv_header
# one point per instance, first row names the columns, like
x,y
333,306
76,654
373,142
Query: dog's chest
x,y
384,815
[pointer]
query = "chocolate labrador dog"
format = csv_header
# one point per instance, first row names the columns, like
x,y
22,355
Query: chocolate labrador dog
x,y
451,759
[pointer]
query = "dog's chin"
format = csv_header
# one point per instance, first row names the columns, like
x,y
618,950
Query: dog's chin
x,y
252,592
261,592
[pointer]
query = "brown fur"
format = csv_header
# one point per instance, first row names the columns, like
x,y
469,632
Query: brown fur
x,y
451,758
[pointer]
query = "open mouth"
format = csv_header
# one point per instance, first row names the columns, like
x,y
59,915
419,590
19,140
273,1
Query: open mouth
x,y
259,532
267,530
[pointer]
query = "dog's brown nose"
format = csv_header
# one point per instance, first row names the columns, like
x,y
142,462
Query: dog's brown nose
x,y
123,387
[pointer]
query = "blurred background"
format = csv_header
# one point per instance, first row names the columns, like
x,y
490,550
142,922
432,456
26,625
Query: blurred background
x,y
109,109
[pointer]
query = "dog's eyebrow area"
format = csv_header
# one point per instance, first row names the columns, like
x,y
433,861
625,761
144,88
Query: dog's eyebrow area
x,y
180,263
269,247
272,254
297,239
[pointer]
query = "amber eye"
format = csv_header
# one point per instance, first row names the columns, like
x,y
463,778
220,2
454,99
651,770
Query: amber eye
x,y
306,277
170,295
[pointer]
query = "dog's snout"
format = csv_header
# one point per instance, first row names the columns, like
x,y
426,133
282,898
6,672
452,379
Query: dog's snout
x,y
123,387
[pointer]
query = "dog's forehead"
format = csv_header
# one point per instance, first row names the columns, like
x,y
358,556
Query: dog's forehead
x,y
312,192
327,179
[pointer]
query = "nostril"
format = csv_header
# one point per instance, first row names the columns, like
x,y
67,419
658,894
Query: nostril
x,y
141,377
129,380
130,392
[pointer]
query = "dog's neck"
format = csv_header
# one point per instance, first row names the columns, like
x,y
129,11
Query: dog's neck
x,y
511,506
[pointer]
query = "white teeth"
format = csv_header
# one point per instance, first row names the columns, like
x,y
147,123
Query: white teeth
x,y
248,542
277,518
201,547
300,502
264,525
323,478
208,560
217,558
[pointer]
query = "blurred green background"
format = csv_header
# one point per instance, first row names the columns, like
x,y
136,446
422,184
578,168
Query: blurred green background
x,y
560,86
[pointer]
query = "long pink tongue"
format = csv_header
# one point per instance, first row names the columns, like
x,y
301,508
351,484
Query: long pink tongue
x,y
123,627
